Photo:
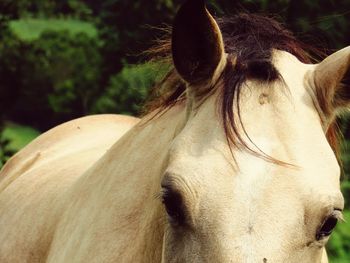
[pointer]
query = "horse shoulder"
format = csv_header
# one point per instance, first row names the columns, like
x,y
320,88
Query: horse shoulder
x,y
33,181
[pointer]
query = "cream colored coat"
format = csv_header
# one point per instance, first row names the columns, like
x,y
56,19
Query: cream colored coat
x,y
60,202
34,181
65,198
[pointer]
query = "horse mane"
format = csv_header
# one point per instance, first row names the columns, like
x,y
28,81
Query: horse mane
x,y
249,40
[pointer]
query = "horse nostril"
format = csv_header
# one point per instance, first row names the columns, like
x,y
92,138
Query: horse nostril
x,y
265,260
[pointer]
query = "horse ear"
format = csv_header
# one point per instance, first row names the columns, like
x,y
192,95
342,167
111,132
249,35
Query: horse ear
x,y
332,81
197,44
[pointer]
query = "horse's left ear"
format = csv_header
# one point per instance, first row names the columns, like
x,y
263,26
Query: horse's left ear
x,y
332,82
197,44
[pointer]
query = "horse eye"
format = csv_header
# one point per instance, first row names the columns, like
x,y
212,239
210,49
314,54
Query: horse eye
x,y
327,227
173,203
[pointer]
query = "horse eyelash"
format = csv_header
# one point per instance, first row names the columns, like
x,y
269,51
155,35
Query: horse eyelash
x,y
340,216
160,195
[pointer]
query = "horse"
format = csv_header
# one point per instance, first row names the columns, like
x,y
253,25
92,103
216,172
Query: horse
x,y
234,162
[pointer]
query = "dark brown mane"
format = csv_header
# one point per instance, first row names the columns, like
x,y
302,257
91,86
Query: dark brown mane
x,y
249,39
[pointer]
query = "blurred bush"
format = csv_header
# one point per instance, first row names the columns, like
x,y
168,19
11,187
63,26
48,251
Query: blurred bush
x,y
127,90
18,136
49,79
13,138
31,29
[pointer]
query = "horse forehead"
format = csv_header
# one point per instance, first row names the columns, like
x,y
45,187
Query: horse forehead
x,y
290,125
290,67
312,146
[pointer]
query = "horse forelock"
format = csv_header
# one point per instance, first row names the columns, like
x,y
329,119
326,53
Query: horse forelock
x,y
249,41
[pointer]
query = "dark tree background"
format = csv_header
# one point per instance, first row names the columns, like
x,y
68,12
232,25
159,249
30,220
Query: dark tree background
x,y
64,59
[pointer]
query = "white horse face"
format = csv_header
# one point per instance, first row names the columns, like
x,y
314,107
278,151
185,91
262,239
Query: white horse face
x,y
247,209
225,206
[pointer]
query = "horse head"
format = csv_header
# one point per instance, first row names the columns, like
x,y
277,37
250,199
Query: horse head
x,y
253,175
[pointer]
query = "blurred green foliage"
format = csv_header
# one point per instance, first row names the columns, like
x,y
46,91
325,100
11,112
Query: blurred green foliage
x,y
31,29
50,79
13,138
127,90
64,59
18,136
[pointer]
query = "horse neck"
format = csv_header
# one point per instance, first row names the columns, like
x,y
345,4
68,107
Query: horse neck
x,y
126,181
